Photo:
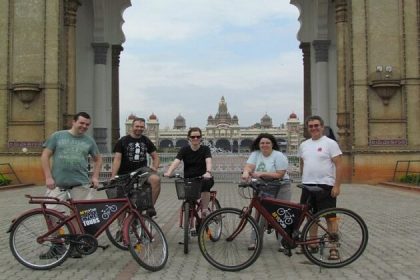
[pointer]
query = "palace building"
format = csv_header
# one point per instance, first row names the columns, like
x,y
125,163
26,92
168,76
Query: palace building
x,y
361,74
223,132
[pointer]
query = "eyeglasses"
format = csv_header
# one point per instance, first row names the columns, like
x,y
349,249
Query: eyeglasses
x,y
314,125
195,137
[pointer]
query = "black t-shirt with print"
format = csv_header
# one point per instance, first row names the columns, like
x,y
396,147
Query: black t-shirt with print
x,y
133,152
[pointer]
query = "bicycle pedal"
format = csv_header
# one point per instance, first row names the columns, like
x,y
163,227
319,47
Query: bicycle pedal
x,y
194,233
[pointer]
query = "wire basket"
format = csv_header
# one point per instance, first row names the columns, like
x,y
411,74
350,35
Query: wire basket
x,y
117,186
270,189
142,197
188,189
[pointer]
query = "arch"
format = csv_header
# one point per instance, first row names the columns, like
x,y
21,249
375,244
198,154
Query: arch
x,y
181,143
223,144
246,144
165,143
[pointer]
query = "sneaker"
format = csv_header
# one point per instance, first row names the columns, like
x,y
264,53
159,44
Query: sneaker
x,y
281,248
55,251
151,212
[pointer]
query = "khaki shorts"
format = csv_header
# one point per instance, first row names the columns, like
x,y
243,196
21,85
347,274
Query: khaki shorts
x,y
84,192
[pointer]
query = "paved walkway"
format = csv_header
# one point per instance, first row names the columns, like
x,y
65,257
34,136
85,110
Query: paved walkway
x,y
393,252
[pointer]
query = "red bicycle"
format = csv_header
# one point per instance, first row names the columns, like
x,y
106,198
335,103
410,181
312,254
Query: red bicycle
x,y
43,238
331,238
189,191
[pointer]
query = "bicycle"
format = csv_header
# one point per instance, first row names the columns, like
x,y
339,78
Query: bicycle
x,y
189,191
41,229
229,252
135,184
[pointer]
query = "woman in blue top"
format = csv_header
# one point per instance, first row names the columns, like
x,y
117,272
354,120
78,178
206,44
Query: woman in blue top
x,y
268,163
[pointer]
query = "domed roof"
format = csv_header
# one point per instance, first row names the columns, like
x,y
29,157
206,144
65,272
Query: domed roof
x,y
131,117
293,116
180,118
153,117
235,117
266,117
210,117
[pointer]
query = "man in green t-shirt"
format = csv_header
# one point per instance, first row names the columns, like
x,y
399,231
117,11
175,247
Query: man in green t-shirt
x,y
69,150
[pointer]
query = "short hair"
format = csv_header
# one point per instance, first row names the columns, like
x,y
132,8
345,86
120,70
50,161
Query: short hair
x,y
192,129
138,120
314,118
255,146
81,114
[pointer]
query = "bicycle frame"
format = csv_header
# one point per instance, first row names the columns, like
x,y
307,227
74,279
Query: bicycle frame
x,y
85,212
194,207
270,209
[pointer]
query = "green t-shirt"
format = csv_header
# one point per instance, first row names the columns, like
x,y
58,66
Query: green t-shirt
x,y
70,157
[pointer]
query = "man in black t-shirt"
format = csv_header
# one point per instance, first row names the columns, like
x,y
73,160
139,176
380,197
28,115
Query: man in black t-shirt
x,y
130,153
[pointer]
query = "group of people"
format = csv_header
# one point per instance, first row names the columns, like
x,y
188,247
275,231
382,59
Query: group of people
x,y
320,162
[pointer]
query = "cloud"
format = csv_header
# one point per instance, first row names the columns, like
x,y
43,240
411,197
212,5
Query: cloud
x,y
182,19
182,56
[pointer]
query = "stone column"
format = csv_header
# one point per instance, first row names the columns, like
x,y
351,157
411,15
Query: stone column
x,y
115,95
99,129
321,66
70,14
342,83
307,94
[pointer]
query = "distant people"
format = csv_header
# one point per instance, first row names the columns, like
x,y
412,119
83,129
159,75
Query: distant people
x,y
130,153
266,162
69,150
320,162
197,162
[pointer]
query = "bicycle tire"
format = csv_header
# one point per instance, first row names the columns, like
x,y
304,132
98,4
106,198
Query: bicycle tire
x,y
230,255
28,251
115,237
150,253
215,232
349,240
186,225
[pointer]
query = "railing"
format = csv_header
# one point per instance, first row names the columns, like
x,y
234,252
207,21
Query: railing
x,y
407,171
226,167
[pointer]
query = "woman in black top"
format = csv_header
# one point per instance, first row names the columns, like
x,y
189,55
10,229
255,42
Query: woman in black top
x,y
197,162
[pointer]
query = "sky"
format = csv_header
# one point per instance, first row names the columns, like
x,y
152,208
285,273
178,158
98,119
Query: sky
x,y
182,56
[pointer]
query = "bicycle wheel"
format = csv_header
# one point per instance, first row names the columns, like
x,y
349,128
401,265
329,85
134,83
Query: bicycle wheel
x,y
214,205
338,242
186,225
114,233
214,228
150,251
39,255
230,253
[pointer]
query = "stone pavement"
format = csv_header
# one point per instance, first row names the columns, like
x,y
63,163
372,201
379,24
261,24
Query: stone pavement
x,y
393,252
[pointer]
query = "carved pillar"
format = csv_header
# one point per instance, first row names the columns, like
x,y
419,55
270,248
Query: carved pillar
x,y
100,116
321,64
70,14
307,98
115,95
342,79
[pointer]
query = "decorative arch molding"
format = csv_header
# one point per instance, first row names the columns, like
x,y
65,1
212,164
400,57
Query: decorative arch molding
x,y
298,4
118,8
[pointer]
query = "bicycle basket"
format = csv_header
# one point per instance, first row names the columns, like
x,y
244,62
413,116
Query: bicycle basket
x,y
142,197
188,189
270,189
117,186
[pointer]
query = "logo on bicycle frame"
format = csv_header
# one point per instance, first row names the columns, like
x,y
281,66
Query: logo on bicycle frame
x,y
89,217
283,216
